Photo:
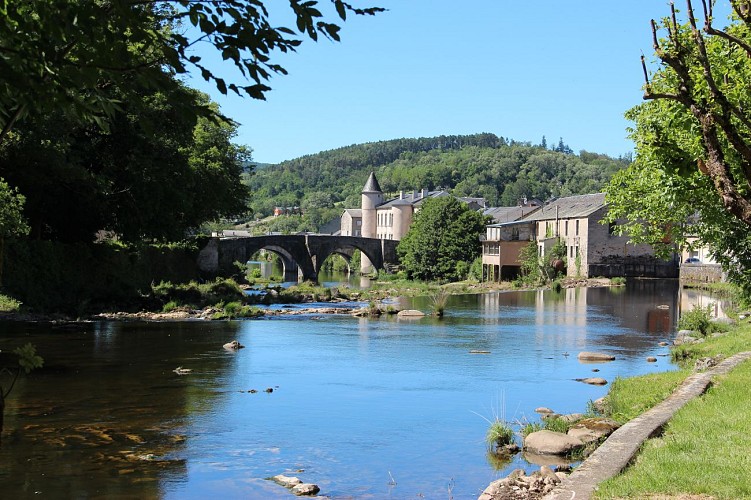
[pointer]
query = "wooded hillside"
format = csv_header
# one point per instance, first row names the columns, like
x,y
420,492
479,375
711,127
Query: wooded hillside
x,y
499,169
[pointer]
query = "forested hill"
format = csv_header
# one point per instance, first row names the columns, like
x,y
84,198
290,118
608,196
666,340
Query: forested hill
x,y
486,165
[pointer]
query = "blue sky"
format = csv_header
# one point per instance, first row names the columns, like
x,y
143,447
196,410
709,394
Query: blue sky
x,y
519,69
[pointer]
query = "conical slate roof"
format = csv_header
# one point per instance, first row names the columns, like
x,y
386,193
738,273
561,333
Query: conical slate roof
x,y
372,186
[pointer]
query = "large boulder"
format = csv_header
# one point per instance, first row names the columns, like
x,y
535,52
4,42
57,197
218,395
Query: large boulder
x,y
551,443
595,356
593,429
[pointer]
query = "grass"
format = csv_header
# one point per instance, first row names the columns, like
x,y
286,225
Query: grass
x,y
630,397
439,300
556,424
704,447
530,427
499,434
236,309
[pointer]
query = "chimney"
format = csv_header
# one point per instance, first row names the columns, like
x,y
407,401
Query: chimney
x,y
424,193
401,195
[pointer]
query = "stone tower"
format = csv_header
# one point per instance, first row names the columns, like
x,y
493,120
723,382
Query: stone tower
x,y
372,196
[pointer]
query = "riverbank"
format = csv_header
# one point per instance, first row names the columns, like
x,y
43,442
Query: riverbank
x,y
702,450
225,299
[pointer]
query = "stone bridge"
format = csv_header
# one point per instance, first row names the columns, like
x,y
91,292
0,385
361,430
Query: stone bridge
x,y
301,254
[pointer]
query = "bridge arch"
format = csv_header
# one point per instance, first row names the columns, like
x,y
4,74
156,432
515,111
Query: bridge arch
x,y
306,251
290,268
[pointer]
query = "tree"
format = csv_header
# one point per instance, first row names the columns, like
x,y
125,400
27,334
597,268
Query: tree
x,y
12,222
153,176
64,55
693,164
701,89
443,233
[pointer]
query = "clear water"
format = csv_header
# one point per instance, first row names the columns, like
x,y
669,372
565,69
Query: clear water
x,y
365,408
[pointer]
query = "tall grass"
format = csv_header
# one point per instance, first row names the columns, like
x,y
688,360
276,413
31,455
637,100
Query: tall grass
x,y
439,300
499,434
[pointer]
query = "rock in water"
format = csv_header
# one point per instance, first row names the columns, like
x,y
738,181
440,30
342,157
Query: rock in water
x,y
595,356
233,346
593,381
286,481
410,313
306,489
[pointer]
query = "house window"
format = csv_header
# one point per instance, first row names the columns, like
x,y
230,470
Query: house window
x,y
514,234
577,227
565,228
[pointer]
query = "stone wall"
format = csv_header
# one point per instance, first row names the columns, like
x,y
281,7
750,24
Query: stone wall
x,y
701,273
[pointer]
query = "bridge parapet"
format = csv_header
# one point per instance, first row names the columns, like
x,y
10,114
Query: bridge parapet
x,y
305,253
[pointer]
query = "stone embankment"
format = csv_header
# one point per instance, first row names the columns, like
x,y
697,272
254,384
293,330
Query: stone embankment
x,y
615,453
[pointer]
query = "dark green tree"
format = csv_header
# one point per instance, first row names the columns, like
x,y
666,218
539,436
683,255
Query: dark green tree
x,y
154,175
12,222
443,233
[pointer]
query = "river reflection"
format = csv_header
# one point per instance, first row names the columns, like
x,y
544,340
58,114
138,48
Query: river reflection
x,y
355,402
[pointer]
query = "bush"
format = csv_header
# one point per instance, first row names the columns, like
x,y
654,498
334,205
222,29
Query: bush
x,y
9,304
697,319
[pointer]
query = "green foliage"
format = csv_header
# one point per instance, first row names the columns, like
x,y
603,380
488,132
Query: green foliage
x,y
170,306
63,56
698,319
475,270
691,174
444,232
199,295
462,270
154,176
12,222
618,280
28,359
530,427
531,268
9,304
500,170
499,434
556,424
236,309
56,277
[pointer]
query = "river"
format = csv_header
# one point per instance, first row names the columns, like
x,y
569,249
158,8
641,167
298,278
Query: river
x,y
365,408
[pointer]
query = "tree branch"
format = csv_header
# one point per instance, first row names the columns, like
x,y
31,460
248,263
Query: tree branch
x,y
727,109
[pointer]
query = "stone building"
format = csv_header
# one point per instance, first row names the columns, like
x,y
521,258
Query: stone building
x,y
591,248
391,219
351,224
504,241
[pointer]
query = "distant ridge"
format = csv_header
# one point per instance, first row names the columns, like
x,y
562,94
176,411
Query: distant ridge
x,y
485,165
